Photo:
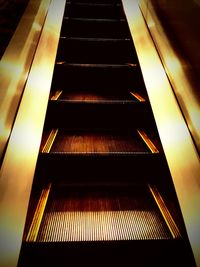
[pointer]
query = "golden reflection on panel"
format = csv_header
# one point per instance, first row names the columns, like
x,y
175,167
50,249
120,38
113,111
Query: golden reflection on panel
x,y
178,71
16,62
16,174
183,89
181,154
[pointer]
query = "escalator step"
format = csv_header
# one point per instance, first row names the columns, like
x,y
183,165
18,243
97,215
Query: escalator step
x,y
97,97
101,77
97,1
106,113
98,214
95,50
69,226
100,156
96,10
105,28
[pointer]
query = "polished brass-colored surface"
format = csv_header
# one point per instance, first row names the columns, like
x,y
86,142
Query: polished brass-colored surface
x,y
138,97
15,65
165,213
148,142
60,62
56,95
180,152
177,59
50,140
18,166
35,225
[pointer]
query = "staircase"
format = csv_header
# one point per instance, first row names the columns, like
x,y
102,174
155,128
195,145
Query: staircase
x,y
102,192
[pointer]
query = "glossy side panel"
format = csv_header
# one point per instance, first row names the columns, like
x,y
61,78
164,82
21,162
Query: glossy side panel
x,y
175,29
179,148
19,162
15,65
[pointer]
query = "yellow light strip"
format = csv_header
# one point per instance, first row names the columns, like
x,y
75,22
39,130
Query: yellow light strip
x,y
132,65
148,142
56,95
37,218
165,213
50,140
60,62
138,97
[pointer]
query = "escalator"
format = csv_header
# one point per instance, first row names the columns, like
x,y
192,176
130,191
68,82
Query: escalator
x,y
102,192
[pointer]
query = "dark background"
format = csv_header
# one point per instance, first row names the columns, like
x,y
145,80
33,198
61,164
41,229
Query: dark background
x,y
10,14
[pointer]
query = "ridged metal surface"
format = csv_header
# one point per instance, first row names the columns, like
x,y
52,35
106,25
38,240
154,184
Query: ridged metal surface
x,y
102,225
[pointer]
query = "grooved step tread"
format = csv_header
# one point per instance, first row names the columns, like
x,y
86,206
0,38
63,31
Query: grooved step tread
x,y
98,214
97,98
98,141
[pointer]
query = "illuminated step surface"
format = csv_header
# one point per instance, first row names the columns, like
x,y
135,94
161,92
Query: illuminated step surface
x,y
101,214
107,225
98,141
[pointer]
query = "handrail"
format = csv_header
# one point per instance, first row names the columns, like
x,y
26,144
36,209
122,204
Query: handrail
x,y
180,151
19,163
184,79
15,65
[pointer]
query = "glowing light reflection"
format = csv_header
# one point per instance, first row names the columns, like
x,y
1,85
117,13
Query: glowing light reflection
x,y
181,154
102,225
18,166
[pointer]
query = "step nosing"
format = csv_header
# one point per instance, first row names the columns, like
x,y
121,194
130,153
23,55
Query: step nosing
x,y
93,19
93,153
94,102
100,65
93,4
95,39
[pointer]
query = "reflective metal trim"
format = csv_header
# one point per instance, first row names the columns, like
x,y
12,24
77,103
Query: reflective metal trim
x,y
180,152
50,140
56,95
179,71
165,213
15,65
148,142
137,96
18,167
37,218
